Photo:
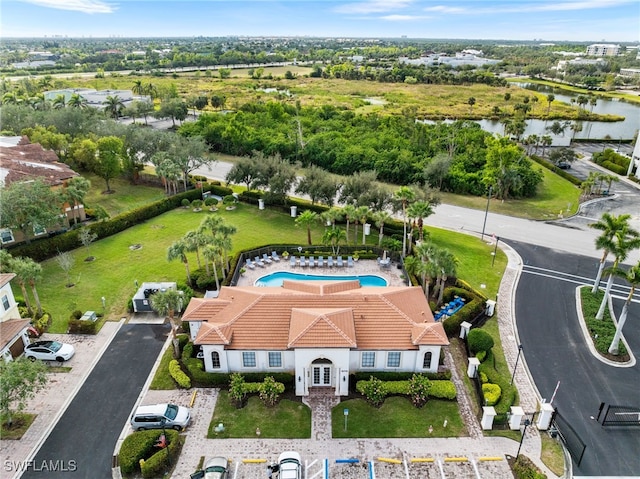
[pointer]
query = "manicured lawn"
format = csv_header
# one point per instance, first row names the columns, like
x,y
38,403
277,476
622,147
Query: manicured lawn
x,y
125,196
397,417
552,454
601,331
116,266
288,419
162,379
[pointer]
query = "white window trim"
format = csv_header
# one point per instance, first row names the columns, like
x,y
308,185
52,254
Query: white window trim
x,y
255,360
362,365
389,353
269,359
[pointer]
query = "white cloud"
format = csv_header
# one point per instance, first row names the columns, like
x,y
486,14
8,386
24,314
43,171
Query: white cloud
x,y
541,6
84,6
402,18
373,6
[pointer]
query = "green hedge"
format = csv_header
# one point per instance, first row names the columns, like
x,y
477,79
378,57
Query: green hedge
x,y
140,445
161,461
398,376
438,389
509,392
178,374
558,171
491,393
45,248
83,327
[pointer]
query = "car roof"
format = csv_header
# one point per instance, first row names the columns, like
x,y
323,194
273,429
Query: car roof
x,y
289,455
216,461
152,409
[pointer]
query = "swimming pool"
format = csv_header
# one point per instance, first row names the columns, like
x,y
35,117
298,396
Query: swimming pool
x,y
276,279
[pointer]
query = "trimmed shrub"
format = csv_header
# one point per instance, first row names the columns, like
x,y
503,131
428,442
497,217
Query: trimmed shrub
x,y
483,378
373,389
479,340
201,378
178,374
419,390
270,391
140,445
42,323
438,389
524,468
157,464
77,314
237,390
187,351
185,203
491,393
481,356
83,327
442,390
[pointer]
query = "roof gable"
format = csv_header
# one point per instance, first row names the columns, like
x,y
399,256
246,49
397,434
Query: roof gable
x,y
328,327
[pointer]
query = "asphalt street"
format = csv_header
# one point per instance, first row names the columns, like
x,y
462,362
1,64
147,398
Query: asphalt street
x,y
555,349
82,442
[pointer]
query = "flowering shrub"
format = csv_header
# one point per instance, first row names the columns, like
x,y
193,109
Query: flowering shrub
x,y
419,386
373,390
237,391
270,391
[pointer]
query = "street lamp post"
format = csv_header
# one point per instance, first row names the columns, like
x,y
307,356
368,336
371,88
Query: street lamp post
x,y
516,366
526,424
495,251
486,212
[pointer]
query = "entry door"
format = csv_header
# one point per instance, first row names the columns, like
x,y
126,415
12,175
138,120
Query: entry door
x,y
321,375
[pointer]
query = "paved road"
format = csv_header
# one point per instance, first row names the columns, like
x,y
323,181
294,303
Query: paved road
x,y
555,350
82,442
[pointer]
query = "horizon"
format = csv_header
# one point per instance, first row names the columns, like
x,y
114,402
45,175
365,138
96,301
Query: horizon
x,y
562,21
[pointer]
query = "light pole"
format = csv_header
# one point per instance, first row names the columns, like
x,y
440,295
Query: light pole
x,y
516,366
495,251
526,424
486,212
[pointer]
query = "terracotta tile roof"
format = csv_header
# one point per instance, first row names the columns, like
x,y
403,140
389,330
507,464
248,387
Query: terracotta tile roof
x,y
316,314
5,278
27,161
10,329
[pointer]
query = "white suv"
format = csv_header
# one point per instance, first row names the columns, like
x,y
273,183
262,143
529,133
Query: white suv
x,y
290,465
159,416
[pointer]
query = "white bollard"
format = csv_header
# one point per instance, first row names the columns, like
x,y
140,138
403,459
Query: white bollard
x,y
488,413
516,417
472,370
544,418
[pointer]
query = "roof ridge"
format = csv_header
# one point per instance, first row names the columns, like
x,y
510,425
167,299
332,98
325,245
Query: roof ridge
x,y
330,323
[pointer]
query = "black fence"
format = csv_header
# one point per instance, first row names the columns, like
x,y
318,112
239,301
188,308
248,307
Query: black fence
x,y
619,415
570,438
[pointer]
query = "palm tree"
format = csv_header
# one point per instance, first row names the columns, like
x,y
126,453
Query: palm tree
x,y
550,98
632,276
362,213
445,263
332,215
138,88
334,237
611,226
75,192
59,102
404,196
77,101
622,245
425,252
350,214
195,240
33,273
306,219
21,268
212,252
113,105
380,218
178,250
419,211
165,303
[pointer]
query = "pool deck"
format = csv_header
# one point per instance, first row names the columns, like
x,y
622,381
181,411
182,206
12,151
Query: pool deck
x,y
360,267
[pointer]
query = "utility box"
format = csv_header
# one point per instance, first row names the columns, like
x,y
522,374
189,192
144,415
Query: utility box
x,y
490,307
89,316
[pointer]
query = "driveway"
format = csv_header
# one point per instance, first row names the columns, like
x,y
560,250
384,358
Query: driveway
x,y
555,350
81,444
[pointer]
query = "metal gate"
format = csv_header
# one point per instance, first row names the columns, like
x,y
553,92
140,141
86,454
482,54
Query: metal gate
x,y
569,436
620,415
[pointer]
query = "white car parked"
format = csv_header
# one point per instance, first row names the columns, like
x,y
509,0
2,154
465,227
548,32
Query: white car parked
x,y
290,465
49,351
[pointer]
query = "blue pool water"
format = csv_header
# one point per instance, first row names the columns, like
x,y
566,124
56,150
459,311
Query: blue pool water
x,y
276,279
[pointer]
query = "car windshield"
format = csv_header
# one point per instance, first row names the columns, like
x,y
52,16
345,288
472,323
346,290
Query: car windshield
x,y
214,469
54,346
171,412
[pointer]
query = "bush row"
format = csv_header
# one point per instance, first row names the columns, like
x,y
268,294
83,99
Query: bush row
x,y
474,305
509,392
178,374
201,378
399,376
141,445
558,171
83,327
42,249
438,389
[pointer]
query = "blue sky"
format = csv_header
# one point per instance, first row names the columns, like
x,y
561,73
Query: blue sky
x,y
570,20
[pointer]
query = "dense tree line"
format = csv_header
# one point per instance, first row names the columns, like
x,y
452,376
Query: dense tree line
x,y
454,157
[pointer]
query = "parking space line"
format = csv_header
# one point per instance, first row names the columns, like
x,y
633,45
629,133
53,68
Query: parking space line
x,y
475,468
441,469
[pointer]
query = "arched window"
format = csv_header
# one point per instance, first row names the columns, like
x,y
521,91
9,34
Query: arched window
x,y
215,360
426,362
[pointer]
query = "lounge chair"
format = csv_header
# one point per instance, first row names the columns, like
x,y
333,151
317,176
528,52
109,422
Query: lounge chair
x,y
350,261
321,261
258,261
330,262
303,261
292,261
275,257
266,258
340,263
249,264
312,261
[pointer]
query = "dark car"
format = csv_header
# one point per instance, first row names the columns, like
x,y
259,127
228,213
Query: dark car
x,y
564,165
